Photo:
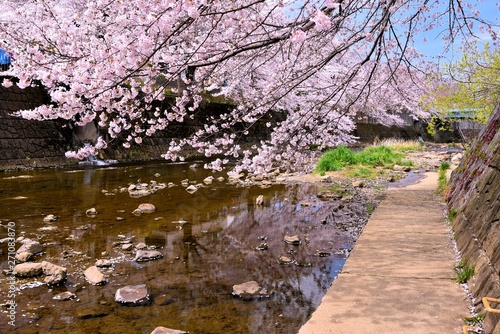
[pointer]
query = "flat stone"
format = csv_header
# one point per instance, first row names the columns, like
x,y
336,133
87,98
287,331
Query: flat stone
x,y
285,259
208,180
91,212
24,256
147,255
30,246
103,263
293,239
28,269
133,295
165,330
147,207
358,184
49,218
127,247
249,290
94,276
191,189
67,295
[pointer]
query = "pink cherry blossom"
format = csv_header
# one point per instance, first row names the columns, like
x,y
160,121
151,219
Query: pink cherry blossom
x,y
319,66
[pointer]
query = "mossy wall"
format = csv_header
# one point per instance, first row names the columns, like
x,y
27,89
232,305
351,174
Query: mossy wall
x,y
475,196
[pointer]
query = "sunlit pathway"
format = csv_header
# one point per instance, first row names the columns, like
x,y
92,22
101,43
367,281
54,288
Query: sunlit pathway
x,y
398,278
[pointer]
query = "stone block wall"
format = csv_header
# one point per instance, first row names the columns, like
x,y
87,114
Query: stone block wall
x,y
25,143
475,198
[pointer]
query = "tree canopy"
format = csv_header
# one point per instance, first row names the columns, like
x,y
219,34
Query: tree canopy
x,y
319,63
471,85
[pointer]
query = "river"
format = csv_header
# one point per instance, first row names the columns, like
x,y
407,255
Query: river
x,y
210,240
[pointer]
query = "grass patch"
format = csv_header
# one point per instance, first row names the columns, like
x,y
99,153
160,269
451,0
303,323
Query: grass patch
x,y
336,159
452,214
372,156
362,172
370,207
474,320
464,272
401,145
378,156
442,179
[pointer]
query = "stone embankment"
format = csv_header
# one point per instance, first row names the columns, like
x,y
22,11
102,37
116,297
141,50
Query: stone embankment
x,y
474,206
24,143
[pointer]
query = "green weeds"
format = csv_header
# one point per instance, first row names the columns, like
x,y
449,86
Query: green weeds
x,y
442,179
464,271
452,214
362,163
474,320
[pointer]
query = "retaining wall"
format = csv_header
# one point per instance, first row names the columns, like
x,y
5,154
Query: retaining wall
x,y
475,199
25,143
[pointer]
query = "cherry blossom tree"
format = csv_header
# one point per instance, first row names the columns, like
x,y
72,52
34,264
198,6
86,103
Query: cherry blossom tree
x,y
318,63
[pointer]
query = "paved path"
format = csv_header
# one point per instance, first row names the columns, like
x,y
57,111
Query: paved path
x,y
398,278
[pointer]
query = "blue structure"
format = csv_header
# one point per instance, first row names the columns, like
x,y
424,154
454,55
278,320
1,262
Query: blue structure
x,y
4,60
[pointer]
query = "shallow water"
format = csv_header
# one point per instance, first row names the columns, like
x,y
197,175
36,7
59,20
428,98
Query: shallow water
x,y
212,250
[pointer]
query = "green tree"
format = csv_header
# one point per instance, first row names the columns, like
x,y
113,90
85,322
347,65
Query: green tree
x,y
472,85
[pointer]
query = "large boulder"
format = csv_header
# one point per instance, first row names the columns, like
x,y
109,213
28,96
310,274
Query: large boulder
x,y
133,295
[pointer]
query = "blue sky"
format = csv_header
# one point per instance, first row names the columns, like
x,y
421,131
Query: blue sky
x,y
433,48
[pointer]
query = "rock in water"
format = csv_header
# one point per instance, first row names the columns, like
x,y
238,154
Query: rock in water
x,y
260,200
94,276
133,295
147,255
249,290
30,246
147,208
54,274
191,189
164,330
67,295
28,269
293,239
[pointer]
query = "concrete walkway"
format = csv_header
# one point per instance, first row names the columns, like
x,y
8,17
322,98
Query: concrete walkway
x,y
398,278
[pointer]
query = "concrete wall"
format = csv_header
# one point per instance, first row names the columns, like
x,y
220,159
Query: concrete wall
x,y
475,197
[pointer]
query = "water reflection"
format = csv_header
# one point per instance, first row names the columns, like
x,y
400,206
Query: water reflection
x,y
209,240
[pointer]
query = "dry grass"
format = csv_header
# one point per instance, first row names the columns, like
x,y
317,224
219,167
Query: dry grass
x,y
400,145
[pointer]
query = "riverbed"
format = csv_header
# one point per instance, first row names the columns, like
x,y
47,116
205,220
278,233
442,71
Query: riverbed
x,y
211,239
